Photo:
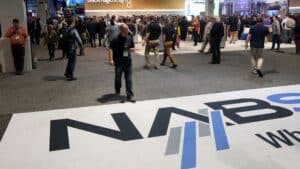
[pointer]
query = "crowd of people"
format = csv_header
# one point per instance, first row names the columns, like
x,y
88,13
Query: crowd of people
x,y
105,28
119,35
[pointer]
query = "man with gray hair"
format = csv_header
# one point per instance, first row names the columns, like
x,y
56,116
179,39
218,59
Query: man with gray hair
x,y
206,38
121,48
276,33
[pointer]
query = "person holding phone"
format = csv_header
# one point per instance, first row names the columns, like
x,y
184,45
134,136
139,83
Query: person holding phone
x,y
18,36
121,48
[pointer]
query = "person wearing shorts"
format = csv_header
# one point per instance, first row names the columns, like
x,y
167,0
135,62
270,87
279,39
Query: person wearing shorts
x,y
256,38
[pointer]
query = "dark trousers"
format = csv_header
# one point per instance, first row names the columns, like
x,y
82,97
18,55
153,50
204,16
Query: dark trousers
x,y
101,37
71,55
297,42
201,36
119,69
276,40
51,50
18,52
37,38
93,39
195,37
287,34
174,42
216,52
64,53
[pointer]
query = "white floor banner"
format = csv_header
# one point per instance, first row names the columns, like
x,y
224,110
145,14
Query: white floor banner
x,y
251,129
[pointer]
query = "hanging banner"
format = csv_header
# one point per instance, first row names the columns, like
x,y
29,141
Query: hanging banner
x,y
133,4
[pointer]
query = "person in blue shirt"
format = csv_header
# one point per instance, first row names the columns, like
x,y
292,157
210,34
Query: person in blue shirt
x,y
72,40
256,38
121,48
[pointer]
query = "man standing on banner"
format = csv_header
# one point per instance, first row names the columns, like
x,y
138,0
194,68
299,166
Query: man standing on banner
x,y
121,49
256,38
18,36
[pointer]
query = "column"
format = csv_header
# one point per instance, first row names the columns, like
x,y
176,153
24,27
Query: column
x,y
9,11
42,11
209,6
51,8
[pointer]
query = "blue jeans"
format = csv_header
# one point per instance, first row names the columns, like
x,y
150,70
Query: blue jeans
x,y
71,63
119,69
288,36
276,40
51,50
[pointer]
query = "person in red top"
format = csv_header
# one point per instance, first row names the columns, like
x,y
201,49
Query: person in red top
x,y
18,36
196,30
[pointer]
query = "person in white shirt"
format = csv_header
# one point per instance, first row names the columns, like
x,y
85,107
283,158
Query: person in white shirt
x,y
206,37
287,25
276,33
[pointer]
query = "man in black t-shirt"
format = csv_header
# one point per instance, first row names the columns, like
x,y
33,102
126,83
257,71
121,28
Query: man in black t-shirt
x,y
216,35
121,47
233,28
152,40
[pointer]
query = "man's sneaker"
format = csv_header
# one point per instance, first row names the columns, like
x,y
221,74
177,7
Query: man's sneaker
x,y
19,73
131,99
67,76
260,73
174,66
71,78
254,72
162,64
147,67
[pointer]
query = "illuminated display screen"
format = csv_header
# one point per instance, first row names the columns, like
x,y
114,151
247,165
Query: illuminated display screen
x,y
74,2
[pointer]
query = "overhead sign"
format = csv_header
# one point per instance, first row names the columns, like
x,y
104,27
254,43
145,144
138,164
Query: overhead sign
x,y
134,4
251,129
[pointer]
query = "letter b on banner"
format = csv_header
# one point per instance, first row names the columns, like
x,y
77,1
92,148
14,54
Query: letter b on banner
x,y
233,108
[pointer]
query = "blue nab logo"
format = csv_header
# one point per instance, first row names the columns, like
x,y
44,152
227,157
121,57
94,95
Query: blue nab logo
x,y
189,154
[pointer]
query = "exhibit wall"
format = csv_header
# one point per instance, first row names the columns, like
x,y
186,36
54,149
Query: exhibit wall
x,y
294,3
134,7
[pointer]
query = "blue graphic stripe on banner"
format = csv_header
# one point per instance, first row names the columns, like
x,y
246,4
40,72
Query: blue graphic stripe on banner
x,y
297,109
219,131
189,146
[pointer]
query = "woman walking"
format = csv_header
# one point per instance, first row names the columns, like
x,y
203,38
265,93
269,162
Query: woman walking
x,y
51,40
